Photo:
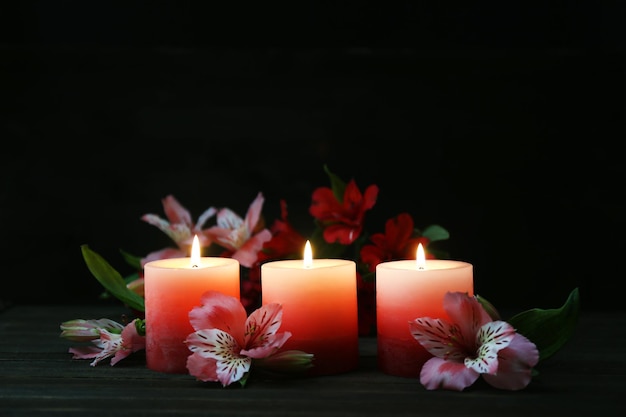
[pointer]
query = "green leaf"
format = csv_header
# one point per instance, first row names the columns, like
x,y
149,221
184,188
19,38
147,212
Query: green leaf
x,y
132,277
435,232
140,326
337,184
132,260
549,329
111,280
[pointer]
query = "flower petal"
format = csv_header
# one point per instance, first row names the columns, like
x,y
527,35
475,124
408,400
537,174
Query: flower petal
x,y
206,215
131,342
439,373
254,212
216,344
439,337
233,370
274,344
491,338
515,364
247,254
262,325
204,369
85,352
175,212
467,312
220,311
228,219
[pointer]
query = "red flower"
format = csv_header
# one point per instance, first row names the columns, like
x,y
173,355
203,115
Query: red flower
x,y
342,220
286,242
396,243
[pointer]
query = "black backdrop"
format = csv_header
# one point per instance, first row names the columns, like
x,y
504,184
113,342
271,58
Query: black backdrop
x,y
503,125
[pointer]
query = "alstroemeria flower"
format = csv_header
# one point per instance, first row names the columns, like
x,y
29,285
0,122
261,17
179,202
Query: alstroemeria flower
x,y
226,342
179,227
113,340
342,221
470,345
80,330
242,238
396,243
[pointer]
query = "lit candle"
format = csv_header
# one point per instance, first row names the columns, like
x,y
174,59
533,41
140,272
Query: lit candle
x,y
319,302
173,287
406,290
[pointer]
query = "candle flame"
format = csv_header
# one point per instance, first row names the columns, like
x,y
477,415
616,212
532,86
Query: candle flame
x,y
420,257
308,255
195,252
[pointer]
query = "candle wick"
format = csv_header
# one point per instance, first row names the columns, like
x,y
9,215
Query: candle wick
x,y
421,267
194,266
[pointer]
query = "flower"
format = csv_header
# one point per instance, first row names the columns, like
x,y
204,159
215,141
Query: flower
x,y
226,342
179,227
471,345
341,214
80,330
242,238
338,213
111,339
398,242
232,335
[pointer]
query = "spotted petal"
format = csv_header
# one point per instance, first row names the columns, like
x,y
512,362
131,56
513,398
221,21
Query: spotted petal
x,y
466,312
438,337
491,338
262,324
110,343
515,364
219,345
261,327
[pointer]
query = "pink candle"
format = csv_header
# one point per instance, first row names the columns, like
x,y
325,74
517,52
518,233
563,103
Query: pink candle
x,y
173,287
319,308
406,290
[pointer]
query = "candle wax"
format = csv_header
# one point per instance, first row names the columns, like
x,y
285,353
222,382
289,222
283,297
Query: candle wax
x,y
404,293
319,309
172,289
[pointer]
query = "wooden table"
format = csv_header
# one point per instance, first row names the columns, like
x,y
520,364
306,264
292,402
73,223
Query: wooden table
x,y
39,378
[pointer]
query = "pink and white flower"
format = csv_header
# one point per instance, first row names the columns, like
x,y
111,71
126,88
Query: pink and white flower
x,y
470,345
80,330
243,238
180,227
111,339
226,342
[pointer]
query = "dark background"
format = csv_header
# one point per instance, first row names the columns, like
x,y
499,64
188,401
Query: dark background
x,y
504,125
